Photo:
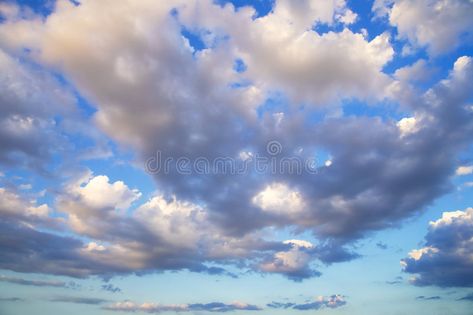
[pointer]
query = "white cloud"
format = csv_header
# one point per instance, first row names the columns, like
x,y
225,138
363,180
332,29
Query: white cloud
x,y
439,25
12,204
407,125
153,94
417,254
294,263
182,224
461,64
279,199
303,14
285,55
98,192
92,246
299,243
449,218
464,170
417,72
381,7
162,233
348,17
93,204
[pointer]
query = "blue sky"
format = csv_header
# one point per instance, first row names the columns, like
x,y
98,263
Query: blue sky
x,y
249,157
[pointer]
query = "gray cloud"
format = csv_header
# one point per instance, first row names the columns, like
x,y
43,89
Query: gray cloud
x,y
31,132
11,299
27,99
78,300
138,243
397,280
445,259
333,301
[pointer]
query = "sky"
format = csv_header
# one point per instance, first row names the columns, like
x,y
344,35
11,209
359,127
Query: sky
x,y
241,157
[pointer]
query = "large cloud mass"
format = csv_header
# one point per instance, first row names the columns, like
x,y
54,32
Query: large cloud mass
x,y
159,93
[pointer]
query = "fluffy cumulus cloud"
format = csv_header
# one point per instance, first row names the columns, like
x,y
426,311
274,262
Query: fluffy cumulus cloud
x,y
439,25
446,259
93,204
219,307
387,171
283,53
162,234
279,199
165,97
294,263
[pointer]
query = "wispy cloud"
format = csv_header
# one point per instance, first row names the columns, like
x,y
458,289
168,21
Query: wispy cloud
x,y
468,297
320,302
280,305
78,300
111,288
36,283
382,245
128,306
10,299
397,280
428,298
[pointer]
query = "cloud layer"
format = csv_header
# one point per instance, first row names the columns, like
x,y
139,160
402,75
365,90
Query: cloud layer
x,y
320,302
439,25
129,306
159,92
